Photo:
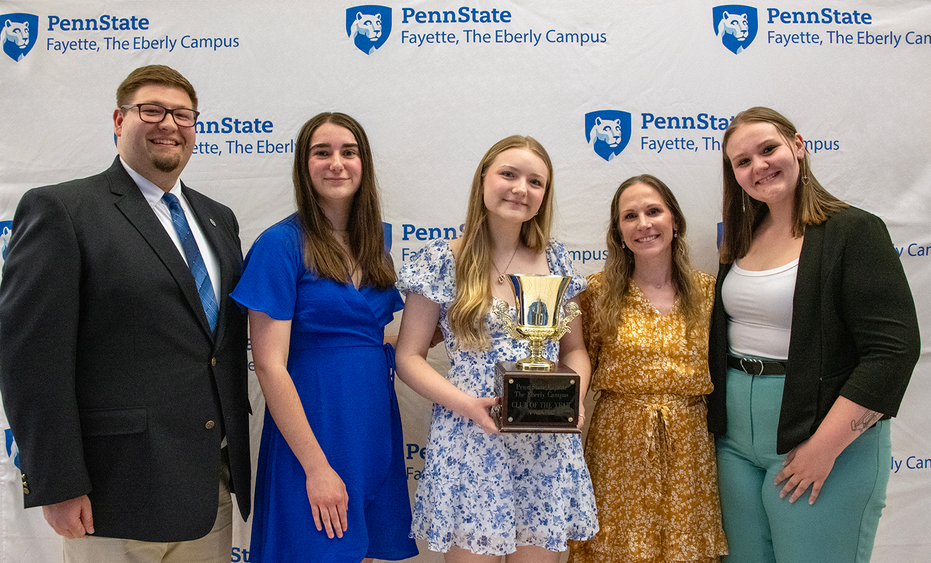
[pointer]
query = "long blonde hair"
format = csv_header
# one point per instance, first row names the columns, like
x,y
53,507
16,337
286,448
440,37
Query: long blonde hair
x,y
608,311
473,259
742,214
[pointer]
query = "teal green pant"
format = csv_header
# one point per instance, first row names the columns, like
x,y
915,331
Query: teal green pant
x,y
763,528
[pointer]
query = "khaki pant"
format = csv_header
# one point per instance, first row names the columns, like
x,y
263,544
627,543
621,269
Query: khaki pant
x,y
215,547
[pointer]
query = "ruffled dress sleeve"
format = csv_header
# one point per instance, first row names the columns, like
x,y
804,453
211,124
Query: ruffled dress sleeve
x,y
271,271
431,272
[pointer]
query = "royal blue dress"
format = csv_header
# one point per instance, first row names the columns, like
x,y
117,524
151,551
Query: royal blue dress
x,y
344,376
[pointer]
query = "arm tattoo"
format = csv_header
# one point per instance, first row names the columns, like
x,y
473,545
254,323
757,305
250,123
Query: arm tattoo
x,y
863,424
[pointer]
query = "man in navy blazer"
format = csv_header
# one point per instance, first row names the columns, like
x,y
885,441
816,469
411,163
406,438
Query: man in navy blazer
x,y
131,413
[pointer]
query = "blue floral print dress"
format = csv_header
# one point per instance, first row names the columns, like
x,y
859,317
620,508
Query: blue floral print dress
x,y
490,493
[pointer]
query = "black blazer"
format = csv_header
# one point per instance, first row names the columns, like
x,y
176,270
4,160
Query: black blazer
x,y
112,381
854,329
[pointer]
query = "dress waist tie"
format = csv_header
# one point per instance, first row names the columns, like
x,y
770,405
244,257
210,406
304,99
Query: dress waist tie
x,y
660,409
389,357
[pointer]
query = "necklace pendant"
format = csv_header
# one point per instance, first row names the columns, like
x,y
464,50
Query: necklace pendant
x,y
501,278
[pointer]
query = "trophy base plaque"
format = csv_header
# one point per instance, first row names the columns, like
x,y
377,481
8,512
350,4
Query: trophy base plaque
x,y
536,400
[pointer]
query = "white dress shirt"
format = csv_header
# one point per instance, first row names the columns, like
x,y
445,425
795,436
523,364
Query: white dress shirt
x,y
153,194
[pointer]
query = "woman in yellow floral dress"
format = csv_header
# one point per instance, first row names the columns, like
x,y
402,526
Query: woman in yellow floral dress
x,y
645,321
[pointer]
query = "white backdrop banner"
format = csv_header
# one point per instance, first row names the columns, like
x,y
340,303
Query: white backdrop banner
x,y
610,88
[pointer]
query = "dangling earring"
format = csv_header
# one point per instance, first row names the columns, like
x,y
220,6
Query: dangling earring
x,y
675,233
623,245
805,180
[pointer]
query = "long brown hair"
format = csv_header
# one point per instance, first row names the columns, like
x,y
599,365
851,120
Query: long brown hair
x,y
608,312
322,253
473,260
742,214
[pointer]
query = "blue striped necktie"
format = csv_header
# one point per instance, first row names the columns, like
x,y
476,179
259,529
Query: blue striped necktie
x,y
194,260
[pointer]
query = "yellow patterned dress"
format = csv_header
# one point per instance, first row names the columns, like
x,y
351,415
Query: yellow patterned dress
x,y
649,451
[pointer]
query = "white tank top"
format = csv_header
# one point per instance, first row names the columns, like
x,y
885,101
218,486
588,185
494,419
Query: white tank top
x,y
759,310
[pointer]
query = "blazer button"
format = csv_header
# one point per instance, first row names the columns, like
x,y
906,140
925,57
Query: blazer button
x,y
213,362
210,424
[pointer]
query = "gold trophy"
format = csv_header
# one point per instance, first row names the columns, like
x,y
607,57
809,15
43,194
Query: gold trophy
x,y
536,394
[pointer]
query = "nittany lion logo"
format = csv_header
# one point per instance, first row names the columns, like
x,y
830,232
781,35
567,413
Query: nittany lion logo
x,y
607,132
18,34
735,26
368,26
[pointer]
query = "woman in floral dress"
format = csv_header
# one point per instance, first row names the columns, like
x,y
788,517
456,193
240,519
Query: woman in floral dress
x,y
651,456
484,495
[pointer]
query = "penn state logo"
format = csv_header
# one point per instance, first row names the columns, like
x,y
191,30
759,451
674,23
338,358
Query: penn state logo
x,y
735,26
6,229
18,34
607,132
368,26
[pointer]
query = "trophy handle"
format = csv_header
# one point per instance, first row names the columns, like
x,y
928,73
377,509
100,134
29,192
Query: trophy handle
x,y
572,311
503,312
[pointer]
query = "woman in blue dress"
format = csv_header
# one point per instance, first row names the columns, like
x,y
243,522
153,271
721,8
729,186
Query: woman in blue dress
x,y
484,495
319,287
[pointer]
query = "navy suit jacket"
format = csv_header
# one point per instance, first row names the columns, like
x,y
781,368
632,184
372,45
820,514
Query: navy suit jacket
x,y
854,329
113,383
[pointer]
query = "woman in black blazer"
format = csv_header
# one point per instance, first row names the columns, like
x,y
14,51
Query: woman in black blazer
x,y
814,337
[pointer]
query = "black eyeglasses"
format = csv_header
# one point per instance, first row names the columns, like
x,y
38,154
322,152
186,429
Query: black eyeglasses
x,y
154,113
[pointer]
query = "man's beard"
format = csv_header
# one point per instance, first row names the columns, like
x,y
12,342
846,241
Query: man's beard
x,y
167,163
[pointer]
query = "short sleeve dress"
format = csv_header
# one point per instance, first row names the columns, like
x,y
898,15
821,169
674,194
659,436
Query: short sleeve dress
x,y
344,375
490,493
649,450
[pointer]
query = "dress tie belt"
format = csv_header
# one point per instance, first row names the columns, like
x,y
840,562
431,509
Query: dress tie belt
x,y
389,355
661,408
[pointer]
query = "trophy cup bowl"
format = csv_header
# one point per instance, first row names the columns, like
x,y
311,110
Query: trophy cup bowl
x,y
537,394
